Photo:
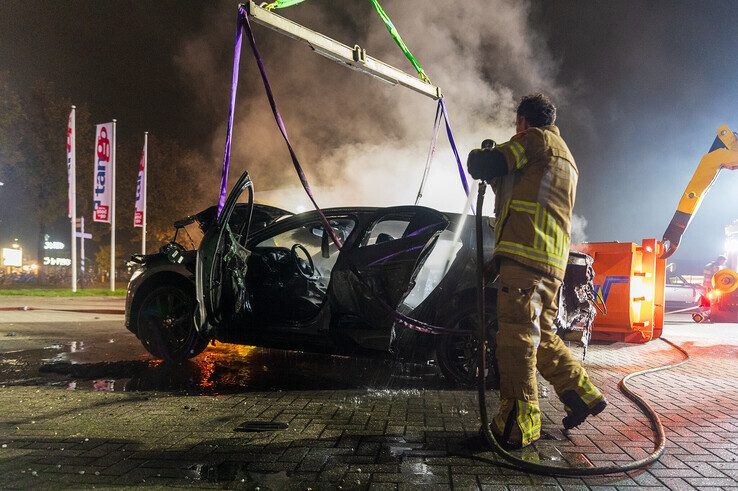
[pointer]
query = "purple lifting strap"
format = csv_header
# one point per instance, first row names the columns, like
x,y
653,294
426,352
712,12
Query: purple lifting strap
x,y
243,23
451,140
231,110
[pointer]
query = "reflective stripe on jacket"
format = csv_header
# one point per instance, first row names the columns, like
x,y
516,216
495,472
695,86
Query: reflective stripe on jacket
x,y
534,201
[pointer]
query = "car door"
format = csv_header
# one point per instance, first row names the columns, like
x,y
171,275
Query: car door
x,y
221,261
377,270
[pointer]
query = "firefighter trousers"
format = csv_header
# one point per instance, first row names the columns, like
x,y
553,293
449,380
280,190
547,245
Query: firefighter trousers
x,y
527,306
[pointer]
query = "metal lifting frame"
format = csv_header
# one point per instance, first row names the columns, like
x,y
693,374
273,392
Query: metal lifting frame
x,y
355,58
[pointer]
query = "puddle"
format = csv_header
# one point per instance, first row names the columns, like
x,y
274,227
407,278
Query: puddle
x,y
576,459
224,368
417,472
11,362
236,473
549,453
103,385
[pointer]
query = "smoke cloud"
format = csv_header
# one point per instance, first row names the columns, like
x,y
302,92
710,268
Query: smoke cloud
x,y
578,224
361,141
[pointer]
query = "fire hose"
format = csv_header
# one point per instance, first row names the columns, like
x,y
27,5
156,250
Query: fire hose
x,y
536,468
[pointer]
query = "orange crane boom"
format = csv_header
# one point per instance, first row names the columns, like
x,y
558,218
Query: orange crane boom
x,y
722,155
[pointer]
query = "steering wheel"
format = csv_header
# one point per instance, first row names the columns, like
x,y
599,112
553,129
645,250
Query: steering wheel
x,y
305,267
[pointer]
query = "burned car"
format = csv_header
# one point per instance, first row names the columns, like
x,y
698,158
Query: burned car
x,y
262,276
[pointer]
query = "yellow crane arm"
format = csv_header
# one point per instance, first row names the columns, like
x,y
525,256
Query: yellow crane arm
x,y
722,155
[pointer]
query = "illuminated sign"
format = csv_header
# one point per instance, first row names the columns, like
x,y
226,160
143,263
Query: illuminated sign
x,y
57,261
12,257
55,246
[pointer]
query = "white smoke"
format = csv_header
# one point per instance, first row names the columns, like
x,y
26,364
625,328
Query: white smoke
x,y
363,142
578,224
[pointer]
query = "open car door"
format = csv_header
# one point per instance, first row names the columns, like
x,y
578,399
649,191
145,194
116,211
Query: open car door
x,y
221,262
374,275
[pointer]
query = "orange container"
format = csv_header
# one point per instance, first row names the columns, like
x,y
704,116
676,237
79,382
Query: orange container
x,y
629,282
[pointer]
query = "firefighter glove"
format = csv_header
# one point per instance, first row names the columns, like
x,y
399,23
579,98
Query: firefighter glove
x,y
486,164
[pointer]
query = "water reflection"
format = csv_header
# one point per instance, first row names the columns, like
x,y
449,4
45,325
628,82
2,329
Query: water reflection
x,y
227,368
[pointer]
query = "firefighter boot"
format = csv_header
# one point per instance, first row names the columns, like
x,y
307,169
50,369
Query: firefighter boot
x,y
577,410
517,425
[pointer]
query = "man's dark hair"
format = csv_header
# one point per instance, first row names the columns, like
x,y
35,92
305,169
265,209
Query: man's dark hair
x,y
722,258
537,109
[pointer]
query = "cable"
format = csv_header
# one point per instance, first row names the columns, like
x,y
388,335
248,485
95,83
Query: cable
x,y
518,463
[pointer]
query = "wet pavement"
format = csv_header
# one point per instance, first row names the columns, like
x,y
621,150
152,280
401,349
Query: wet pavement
x,y
82,404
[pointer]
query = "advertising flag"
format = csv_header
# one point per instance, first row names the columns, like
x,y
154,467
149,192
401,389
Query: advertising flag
x,y
138,215
70,164
103,174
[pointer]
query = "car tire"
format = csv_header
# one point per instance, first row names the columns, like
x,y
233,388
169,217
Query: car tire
x,y
165,323
457,354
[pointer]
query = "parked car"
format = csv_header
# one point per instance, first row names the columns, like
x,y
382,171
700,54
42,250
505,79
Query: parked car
x,y
265,277
681,294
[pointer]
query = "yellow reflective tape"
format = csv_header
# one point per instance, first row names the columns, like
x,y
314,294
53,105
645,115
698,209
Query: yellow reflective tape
x,y
524,206
589,393
518,154
564,241
515,152
522,159
539,237
550,242
529,421
530,253
545,232
503,215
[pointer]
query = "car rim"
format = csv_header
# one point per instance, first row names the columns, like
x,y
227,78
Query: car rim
x,y
167,316
461,350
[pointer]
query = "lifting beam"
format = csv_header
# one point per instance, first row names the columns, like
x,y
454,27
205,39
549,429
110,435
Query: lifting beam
x,y
355,58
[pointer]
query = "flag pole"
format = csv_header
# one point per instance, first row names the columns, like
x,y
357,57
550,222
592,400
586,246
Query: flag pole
x,y
145,186
82,247
73,194
112,218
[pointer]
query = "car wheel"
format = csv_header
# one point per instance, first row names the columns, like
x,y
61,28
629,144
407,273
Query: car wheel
x,y
165,323
456,354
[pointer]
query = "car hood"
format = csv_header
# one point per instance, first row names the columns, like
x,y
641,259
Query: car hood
x,y
262,215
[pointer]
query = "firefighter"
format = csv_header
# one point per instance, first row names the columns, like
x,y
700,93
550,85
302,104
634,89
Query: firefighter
x,y
710,270
534,179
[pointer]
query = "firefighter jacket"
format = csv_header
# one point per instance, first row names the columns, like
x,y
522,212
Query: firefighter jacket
x,y
535,199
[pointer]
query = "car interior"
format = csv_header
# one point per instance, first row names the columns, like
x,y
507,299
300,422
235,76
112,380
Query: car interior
x,y
289,272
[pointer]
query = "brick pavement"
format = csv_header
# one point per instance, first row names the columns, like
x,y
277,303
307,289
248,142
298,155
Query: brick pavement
x,y
372,439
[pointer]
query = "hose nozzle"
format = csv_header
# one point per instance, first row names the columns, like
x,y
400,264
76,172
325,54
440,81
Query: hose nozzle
x,y
489,143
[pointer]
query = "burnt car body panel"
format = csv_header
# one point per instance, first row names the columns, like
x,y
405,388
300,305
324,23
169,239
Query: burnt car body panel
x,y
255,286
156,268
345,311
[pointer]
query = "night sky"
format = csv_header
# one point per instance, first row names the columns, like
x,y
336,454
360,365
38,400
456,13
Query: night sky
x,y
641,86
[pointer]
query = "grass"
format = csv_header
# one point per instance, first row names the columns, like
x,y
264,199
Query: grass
x,y
63,292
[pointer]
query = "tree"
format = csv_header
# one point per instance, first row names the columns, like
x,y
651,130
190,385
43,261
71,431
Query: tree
x,y
102,260
176,187
11,119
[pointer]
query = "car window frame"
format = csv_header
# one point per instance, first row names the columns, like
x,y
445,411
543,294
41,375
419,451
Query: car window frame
x,y
392,215
295,221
